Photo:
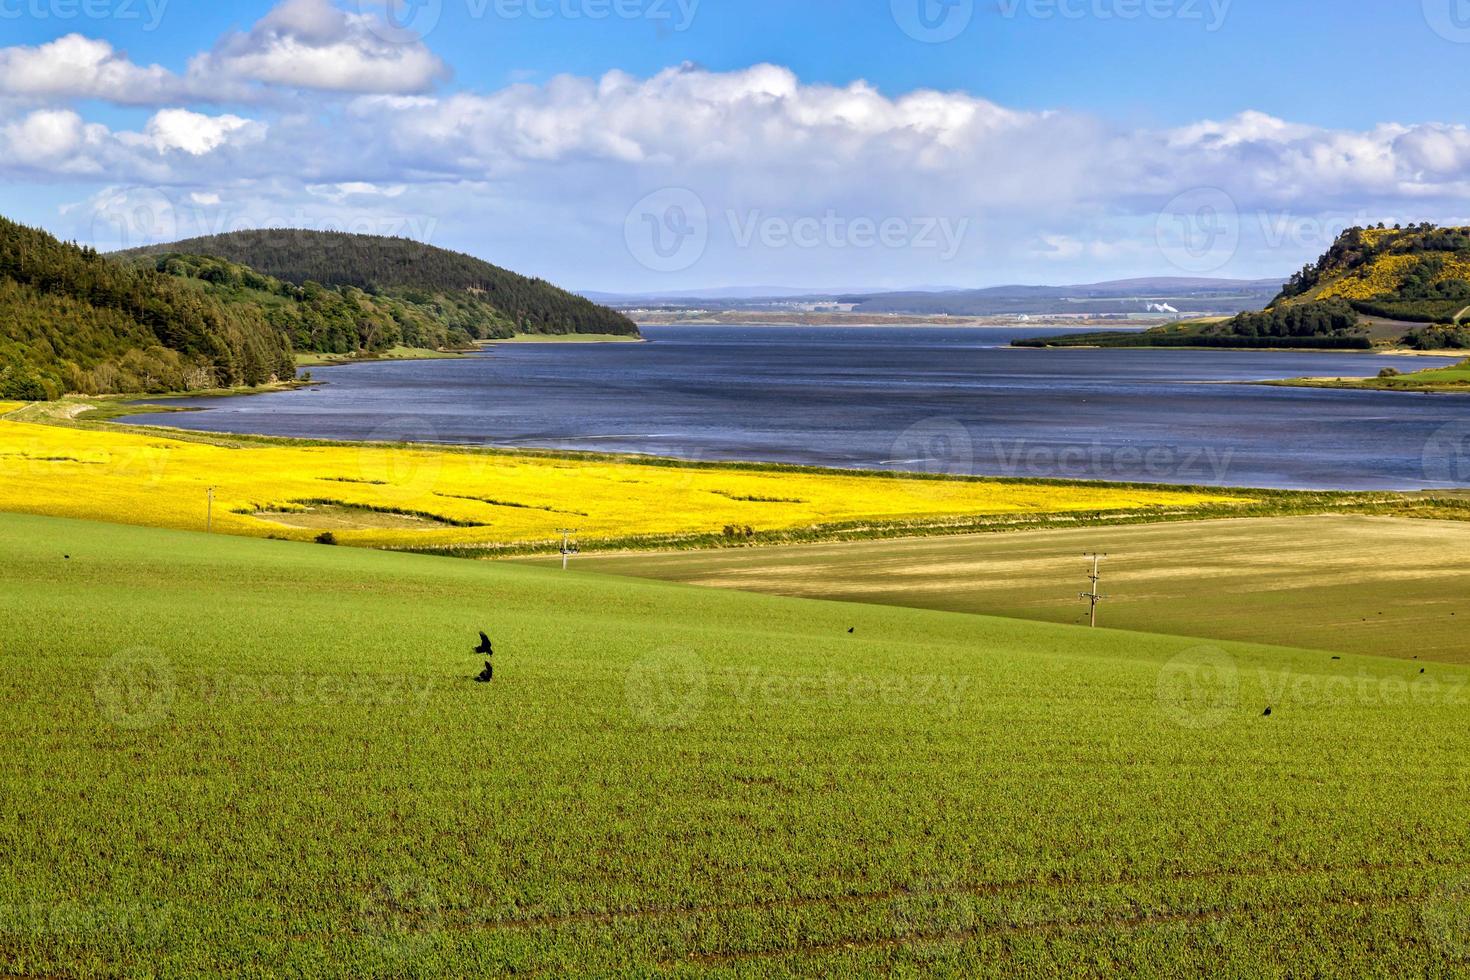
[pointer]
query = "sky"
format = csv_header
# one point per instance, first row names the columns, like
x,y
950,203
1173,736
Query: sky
x,y
665,145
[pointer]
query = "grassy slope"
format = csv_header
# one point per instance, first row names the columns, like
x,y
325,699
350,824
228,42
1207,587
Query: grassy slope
x,y
1370,585
295,775
1454,379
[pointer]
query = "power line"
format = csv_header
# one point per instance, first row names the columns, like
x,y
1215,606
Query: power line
x,y
1095,596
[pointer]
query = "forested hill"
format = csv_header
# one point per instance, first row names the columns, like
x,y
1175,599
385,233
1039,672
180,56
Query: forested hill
x,y
407,269
72,320
1401,286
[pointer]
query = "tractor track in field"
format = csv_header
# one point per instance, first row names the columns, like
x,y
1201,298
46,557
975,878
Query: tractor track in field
x,y
1054,927
982,889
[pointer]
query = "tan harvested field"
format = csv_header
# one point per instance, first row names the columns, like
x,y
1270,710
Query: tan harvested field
x,y
1370,585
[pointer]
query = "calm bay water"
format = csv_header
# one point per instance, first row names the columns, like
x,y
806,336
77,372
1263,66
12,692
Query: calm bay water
x,y
956,400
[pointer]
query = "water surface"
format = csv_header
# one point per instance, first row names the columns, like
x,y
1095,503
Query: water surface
x,y
957,400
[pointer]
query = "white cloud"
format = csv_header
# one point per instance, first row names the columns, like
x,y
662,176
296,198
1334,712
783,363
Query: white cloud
x,y
546,173
355,188
45,136
197,134
310,44
307,45
79,67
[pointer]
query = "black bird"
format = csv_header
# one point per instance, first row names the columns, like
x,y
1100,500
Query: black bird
x,y
1421,670
487,675
851,631
1336,658
485,647
1267,714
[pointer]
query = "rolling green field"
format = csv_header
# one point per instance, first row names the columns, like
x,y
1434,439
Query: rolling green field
x,y
226,755
1371,585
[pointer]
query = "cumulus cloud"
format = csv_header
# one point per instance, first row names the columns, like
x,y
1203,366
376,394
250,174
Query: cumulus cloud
x,y
197,134
48,136
310,44
306,45
550,171
77,67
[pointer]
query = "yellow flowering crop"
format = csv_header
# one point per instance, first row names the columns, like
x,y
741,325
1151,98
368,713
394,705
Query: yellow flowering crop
x,y
432,497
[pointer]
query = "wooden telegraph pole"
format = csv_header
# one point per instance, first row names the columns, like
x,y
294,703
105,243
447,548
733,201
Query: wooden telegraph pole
x,y
1095,596
209,512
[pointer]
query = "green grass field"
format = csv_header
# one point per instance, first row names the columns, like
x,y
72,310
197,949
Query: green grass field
x,y
225,755
1371,585
1453,380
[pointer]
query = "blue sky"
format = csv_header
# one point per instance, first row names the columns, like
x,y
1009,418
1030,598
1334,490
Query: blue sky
x,y
830,143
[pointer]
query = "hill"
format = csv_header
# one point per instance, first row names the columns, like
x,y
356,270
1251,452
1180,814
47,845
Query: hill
x,y
484,300
1120,298
1117,298
72,320
931,795
1374,287
1419,274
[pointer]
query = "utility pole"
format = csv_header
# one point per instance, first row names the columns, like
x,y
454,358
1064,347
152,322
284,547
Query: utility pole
x,y
209,512
1094,597
568,546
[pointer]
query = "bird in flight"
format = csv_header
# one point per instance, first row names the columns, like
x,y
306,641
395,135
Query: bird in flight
x,y
485,647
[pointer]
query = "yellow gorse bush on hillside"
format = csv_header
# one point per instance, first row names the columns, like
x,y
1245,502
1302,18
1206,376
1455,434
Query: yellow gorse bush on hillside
x,y
387,496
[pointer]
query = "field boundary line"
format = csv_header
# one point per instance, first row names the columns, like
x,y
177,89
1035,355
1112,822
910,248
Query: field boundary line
x,y
1056,927
981,889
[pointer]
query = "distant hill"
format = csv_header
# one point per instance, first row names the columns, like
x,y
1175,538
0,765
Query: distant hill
x,y
489,301
1121,297
1391,286
72,320
1118,297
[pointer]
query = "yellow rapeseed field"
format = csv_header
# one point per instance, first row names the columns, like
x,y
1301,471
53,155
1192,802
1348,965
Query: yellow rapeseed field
x,y
383,496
